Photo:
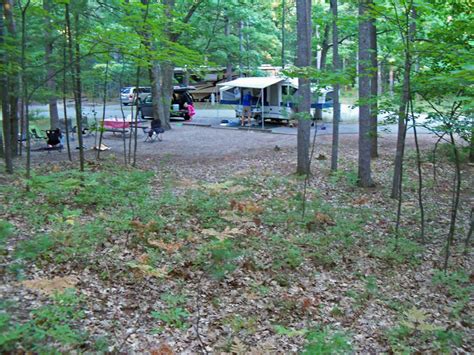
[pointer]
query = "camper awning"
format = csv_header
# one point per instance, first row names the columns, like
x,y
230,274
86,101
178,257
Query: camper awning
x,y
251,83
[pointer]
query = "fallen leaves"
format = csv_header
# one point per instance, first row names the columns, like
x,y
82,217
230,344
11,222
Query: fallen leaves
x,y
230,216
143,229
246,207
51,286
148,270
320,221
168,247
226,233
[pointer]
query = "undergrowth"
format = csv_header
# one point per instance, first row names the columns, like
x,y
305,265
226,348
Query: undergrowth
x,y
248,226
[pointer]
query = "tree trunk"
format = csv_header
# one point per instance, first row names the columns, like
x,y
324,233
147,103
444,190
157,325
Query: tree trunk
x,y
337,107
228,68
471,147
4,97
379,79
167,70
51,83
391,79
2,151
303,13
158,104
321,59
373,88
74,58
403,115
365,177
12,79
3,93
283,15
241,46
324,48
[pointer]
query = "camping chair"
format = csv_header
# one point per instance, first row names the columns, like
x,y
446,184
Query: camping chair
x,y
155,132
36,136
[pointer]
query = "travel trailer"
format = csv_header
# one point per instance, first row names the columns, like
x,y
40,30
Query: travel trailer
x,y
272,97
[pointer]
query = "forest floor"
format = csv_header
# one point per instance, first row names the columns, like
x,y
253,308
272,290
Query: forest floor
x,y
203,248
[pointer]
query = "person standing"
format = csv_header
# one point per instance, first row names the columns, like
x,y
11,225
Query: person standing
x,y
246,108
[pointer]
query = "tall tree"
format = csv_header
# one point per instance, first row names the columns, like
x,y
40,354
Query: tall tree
x,y
283,15
336,105
303,60
228,66
6,152
365,176
373,86
51,80
161,71
8,75
12,76
407,30
74,61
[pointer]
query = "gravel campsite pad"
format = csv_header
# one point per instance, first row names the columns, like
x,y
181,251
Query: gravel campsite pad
x,y
203,249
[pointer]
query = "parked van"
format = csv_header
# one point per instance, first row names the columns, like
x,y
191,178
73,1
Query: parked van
x,y
131,94
181,96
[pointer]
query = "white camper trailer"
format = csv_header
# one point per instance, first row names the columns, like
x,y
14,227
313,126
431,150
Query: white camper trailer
x,y
272,97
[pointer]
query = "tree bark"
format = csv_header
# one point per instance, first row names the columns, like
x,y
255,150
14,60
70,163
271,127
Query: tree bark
x,y
167,70
373,89
12,78
51,83
403,114
391,79
324,48
365,176
7,153
303,13
241,47
471,146
228,69
321,59
158,104
283,15
74,57
336,105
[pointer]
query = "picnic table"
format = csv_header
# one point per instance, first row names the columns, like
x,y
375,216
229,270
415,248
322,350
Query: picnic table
x,y
122,126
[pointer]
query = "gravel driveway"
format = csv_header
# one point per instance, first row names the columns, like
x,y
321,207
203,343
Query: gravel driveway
x,y
182,141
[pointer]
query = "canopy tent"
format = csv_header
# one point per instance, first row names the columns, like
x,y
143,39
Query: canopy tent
x,y
252,83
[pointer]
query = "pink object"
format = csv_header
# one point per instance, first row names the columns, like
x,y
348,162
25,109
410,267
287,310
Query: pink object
x,y
116,124
191,110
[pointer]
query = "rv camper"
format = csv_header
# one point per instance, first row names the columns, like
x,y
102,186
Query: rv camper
x,y
272,97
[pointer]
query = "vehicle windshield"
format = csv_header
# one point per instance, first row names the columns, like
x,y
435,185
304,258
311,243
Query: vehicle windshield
x,y
123,90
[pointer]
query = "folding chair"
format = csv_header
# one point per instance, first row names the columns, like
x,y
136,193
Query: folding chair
x,y
155,132
35,135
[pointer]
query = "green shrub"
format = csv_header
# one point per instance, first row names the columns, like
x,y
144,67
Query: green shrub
x,y
457,286
6,230
325,341
174,315
398,251
220,257
51,327
445,151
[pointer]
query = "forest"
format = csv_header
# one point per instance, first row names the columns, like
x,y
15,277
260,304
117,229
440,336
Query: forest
x,y
342,226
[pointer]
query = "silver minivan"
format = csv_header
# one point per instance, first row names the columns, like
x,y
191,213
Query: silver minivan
x,y
131,94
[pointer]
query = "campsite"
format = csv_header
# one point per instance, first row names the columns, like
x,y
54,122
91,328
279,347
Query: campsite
x,y
236,177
